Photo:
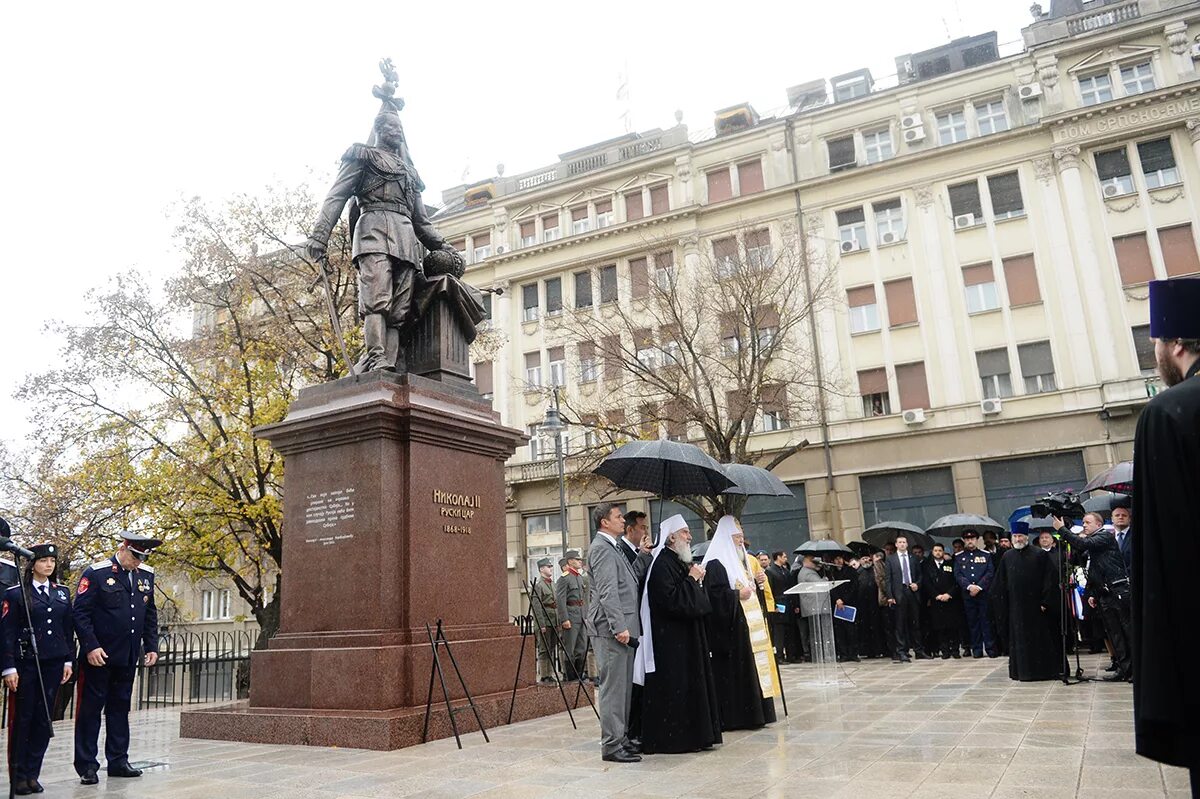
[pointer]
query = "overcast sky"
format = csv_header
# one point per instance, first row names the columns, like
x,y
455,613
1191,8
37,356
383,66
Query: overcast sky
x,y
113,112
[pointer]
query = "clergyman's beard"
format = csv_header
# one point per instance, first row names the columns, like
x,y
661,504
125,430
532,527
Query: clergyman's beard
x,y
1169,372
683,550
1020,544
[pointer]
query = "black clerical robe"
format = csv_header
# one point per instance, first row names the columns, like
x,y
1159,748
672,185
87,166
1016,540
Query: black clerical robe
x,y
741,703
1027,603
679,700
1166,549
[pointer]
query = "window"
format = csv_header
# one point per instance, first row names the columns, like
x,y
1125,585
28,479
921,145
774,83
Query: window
x,y
877,145
639,278
208,605
1158,163
669,349
635,209
660,199
864,310
750,177
965,204
725,257
226,607
604,214
1005,192
482,243
1010,483
487,306
766,323
774,408
720,187
1133,259
889,221
901,302
647,422
1112,167
558,366
917,497
460,246
994,373
580,223
583,289
914,391
484,379
543,524
1037,367
778,522
1095,89
1143,345
644,349
664,271
991,117
554,303
1138,78
528,233
1178,250
852,229
550,231
1020,276
529,302
533,369
590,423
873,388
589,365
980,288
758,250
608,284
850,88
731,340
952,127
841,153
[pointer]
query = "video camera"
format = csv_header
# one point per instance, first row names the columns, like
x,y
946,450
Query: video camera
x,y
1063,504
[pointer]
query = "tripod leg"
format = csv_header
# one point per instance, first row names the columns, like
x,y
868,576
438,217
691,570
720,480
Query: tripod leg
x,y
517,678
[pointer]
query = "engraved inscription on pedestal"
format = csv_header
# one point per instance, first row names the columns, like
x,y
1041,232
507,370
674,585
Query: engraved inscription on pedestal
x,y
327,516
457,506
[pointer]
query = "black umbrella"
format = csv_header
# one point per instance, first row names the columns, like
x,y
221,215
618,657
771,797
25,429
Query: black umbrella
x,y
824,547
886,532
1118,479
1104,503
666,468
754,481
953,525
1032,525
862,549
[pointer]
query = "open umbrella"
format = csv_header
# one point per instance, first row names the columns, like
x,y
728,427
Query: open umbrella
x,y
1031,525
663,467
754,481
886,532
1104,503
953,525
824,548
861,548
1118,479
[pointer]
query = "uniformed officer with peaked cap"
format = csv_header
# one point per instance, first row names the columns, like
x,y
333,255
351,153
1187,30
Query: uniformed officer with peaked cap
x,y
115,618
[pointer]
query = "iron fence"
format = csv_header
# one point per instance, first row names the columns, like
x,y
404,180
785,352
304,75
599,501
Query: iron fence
x,y
192,668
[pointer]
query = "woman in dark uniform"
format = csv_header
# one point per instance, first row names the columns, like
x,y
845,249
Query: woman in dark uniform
x,y
50,609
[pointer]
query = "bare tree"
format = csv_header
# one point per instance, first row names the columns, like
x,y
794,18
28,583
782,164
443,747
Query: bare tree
x,y
710,351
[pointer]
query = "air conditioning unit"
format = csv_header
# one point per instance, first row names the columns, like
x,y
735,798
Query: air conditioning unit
x,y
1195,51
914,416
911,121
1030,91
964,221
914,135
991,407
889,238
850,246
1113,189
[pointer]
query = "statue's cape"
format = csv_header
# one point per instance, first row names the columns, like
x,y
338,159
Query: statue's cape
x,y
465,301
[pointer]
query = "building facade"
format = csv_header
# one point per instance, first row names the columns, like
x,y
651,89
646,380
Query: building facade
x,y
992,219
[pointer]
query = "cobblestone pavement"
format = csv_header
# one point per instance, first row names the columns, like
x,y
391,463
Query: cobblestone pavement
x,y
928,729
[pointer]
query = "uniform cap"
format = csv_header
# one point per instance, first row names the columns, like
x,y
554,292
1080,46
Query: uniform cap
x,y
544,562
46,550
572,554
969,534
140,544
1173,305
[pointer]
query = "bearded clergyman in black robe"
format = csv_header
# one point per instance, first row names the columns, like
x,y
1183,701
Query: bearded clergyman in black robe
x,y
1026,595
679,697
1166,537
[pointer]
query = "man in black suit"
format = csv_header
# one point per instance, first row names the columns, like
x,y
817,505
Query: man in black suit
x,y
902,587
1121,517
781,617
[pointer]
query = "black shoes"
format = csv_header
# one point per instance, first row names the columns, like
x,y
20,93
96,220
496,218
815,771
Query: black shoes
x,y
634,746
622,756
1111,667
1118,677
955,654
124,770
24,788
89,777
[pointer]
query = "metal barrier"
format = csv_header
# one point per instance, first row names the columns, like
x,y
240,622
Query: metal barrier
x,y
192,668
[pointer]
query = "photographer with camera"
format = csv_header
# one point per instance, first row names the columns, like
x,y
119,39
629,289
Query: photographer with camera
x,y
1108,585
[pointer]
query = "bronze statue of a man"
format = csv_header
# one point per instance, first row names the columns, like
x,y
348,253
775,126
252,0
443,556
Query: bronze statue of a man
x,y
387,237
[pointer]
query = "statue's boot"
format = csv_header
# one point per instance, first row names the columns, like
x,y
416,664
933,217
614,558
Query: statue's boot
x,y
374,343
393,353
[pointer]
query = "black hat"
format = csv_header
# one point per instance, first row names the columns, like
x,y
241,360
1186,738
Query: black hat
x,y
544,562
969,534
572,554
46,550
139,544
1004,534
1173,305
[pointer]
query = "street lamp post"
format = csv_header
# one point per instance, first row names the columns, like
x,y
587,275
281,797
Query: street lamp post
x,y
553,425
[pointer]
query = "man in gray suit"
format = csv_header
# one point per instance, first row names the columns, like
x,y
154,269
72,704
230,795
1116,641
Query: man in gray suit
x,y
614,627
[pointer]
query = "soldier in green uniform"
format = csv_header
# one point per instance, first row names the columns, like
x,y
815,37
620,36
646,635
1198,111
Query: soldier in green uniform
x,y
545,615
570,594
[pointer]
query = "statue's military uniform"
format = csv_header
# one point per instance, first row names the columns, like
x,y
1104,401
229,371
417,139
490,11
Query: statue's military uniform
x,y
570,593
545,616
386,241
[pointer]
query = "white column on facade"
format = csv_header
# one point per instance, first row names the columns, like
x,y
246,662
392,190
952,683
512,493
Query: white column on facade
x,y
502,369
1087,265
948,369
646,200
682,185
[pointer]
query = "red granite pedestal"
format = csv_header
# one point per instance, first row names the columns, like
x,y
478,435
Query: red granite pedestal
x,y
393,518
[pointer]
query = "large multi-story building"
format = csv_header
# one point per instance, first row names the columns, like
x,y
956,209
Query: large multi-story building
x,y
992,218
